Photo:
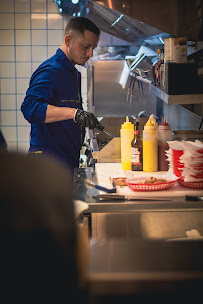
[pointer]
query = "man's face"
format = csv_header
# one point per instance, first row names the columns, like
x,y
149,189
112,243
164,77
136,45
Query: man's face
x,y
80,47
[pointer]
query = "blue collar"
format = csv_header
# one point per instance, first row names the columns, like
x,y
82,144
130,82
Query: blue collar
x,y
65,59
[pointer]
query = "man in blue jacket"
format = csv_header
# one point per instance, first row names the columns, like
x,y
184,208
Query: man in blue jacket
x,y
53,103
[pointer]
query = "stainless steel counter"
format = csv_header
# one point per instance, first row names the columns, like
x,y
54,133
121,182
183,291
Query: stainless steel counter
x,y
134,251
89,195
152,270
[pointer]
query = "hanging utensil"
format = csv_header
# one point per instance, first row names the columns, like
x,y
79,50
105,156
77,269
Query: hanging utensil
x,y
90,184
129,88
132,87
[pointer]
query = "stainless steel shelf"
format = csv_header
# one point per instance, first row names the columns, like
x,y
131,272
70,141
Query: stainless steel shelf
x,y
172,99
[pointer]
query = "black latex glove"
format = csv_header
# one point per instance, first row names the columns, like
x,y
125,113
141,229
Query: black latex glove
x,y
87,119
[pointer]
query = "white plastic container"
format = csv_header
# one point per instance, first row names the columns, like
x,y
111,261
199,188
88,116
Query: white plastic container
x,y
175,50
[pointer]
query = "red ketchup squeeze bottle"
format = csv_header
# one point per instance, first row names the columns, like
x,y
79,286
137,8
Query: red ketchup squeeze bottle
x,y
164,135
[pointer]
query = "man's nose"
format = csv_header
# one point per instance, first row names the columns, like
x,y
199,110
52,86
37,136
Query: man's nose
x,y
90,52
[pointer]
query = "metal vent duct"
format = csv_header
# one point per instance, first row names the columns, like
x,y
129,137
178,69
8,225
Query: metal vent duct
x,y
139,20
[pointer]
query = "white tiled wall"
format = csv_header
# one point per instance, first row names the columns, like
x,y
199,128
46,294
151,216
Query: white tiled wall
x,y
30,32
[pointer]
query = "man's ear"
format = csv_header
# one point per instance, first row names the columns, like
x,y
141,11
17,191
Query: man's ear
x,y
68,39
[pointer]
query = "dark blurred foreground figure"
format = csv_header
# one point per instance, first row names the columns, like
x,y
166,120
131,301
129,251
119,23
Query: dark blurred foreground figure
x,y
39,241
3,144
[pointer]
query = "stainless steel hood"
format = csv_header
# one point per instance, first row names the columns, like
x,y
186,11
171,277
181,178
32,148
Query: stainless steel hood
x,y
124,26
141,21
179,18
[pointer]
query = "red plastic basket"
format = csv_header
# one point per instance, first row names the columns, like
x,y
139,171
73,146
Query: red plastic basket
x,y
193,185
151,187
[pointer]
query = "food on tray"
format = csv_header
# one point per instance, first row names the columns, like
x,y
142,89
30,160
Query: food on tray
x,y
153,180
120,181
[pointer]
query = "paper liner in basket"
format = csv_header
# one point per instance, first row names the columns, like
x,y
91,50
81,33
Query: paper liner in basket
x,y
190,163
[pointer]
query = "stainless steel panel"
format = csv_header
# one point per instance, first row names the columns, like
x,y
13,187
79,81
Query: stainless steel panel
x,y
107,91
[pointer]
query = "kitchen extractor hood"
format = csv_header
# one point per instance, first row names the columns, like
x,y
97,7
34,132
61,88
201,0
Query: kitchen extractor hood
x,y
141,21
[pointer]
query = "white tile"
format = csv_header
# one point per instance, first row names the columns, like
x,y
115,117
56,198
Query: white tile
x,y
22,6
35,65
21,120
23,147
39,53
12,146
7,37
39,37
8,118
66,19
22,85
23,69
23,133
7,21
20,99
7,69
7,6
52,7
6,53
39,21
22,37
23,53
8,102
9,133
22,21
55,21
38,6
55,37
7,86
51,51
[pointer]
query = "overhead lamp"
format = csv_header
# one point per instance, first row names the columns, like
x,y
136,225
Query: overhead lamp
x,y
73,7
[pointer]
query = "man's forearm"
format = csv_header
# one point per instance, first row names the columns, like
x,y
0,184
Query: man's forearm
x,y
54,113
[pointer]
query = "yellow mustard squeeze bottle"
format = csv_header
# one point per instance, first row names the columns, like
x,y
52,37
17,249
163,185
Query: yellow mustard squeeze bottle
x,y
150,146
127,134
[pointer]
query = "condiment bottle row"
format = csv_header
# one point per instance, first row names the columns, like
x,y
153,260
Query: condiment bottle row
x,y
146,153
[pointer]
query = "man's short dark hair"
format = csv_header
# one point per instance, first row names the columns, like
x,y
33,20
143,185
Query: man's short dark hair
x,y
82,24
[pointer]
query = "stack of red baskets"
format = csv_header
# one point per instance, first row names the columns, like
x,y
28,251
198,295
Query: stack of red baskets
x,y
178,169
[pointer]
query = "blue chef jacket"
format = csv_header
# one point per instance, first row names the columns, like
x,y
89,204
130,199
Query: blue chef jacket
x,y
56,82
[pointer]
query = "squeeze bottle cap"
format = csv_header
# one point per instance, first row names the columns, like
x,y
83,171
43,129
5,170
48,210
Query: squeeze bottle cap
x,y
127,124
154,122
150,126
164,125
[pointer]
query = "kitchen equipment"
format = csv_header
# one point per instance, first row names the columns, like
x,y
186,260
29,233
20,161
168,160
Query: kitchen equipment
x,y
130,198
110,85
190,135
129,88
109,133
193,198
132,88
175,50
104,171
89,183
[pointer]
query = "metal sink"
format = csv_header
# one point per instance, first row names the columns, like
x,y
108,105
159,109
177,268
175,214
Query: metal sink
x,y
172,225
166,225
